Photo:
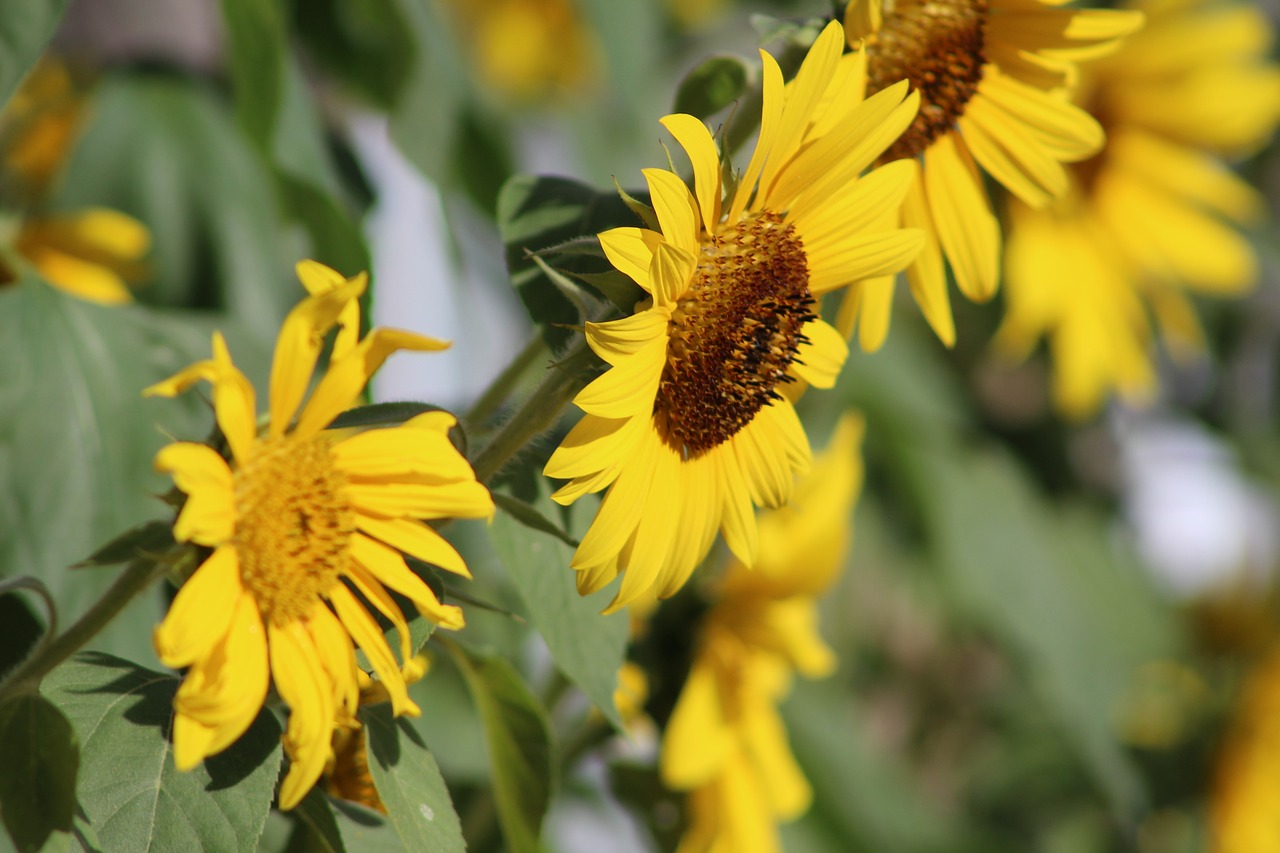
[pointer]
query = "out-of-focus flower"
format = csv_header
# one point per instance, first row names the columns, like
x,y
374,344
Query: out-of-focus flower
x,y
1246,785
302,522
88,253
687,429
991,75
528,49
726,744
1152,216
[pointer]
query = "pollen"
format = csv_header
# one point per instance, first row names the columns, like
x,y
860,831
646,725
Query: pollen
x,y
938,46
735,332
293,525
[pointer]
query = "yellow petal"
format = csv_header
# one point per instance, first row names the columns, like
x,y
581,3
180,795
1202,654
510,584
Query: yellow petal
x,y
698,738
593,444
303,684
629,388
396,498
675,207
630,250
696,141
200,615
862,18
865,255
926,276
967,230
347,376
402,450
389,568
819,361
368,636
618,340
415,539
298,346
78,277
209,514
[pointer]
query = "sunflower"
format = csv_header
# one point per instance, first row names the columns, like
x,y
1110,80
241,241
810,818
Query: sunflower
x,y
726,744
1150,216
991,75
306,529
687,428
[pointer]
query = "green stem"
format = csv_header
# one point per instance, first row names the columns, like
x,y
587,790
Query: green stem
x,y
536,413
135,578
502,386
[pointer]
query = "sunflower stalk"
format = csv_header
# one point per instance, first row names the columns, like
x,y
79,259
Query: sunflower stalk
x,y
505,382
537,413
136,577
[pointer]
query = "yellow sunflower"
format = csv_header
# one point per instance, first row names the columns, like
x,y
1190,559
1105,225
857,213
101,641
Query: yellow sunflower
x,y
992,76
1152,214
1246,781
687,429
726,744
307,529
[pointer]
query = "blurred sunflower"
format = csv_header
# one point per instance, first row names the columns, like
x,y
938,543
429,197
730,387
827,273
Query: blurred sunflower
x,y
687,429
528,49
726,743
307,529
1246,782
992,77
1152,215
89,253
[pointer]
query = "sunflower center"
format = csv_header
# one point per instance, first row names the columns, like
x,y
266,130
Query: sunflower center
x,y
735,331
293,523
938,46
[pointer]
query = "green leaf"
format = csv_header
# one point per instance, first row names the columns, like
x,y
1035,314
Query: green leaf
x,y
531,517
255,48
382,414
867,797
143,802
77,441
167,151
537,213
519,740
38,783
587,647
1047,584
311,189
711,86
149,539
425,123
367,45
25,29
410,784
336,826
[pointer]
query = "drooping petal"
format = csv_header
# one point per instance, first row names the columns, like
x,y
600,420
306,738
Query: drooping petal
x,y
630,250
303,684
415,539
389,568
298,347
368,636
346,377
317,278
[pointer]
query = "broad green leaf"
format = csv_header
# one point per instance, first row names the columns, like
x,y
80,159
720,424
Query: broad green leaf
x,y
865,797
519,740
336,826
150,538
425,124
410,784
587,647
255,47
19,631
25,28
367,45
38,781
531,517
129,788
711,86
538,213
310,187
1049,587
77,441
167,151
